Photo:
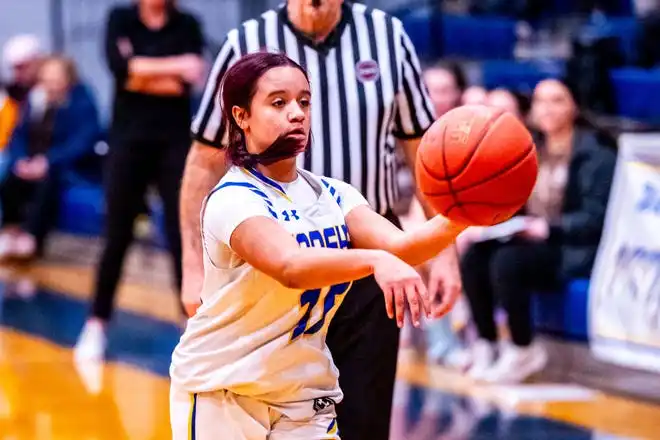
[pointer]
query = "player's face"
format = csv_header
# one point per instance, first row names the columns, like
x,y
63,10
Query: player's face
x,y
281,105
443,90
553,108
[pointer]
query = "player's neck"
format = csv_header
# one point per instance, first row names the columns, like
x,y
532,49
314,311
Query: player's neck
x,y
283,171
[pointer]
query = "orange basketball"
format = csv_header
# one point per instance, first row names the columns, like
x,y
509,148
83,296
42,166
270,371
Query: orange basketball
x,y
477,165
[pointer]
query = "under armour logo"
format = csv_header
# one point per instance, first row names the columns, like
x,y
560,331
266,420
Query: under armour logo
x,y
322,403
290,215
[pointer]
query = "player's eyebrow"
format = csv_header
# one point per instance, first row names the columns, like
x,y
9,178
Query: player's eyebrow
x,y
305,92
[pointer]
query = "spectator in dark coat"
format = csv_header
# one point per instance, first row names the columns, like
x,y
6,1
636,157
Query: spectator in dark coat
x,y
561,229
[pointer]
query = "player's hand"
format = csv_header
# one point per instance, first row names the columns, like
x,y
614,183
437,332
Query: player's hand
x,y
401,283
536,229
444,282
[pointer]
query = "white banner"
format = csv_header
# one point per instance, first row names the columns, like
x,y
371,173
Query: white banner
x,y
624,306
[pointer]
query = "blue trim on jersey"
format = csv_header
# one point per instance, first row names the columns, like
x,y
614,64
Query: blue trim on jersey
x,y
333,191
193,418
254,189
266,180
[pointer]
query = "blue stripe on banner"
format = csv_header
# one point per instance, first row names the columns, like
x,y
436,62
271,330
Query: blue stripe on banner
x,y
272,213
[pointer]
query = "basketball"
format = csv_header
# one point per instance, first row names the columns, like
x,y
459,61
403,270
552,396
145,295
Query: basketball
x,y
476,165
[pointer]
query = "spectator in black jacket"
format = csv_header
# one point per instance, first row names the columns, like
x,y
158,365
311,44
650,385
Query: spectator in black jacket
x,y
562,222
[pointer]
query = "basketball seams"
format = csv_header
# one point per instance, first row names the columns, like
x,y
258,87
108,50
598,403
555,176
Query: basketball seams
x,y
488,126
446,169
518,161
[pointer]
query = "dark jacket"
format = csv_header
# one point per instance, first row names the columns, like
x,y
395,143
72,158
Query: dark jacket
x,y
578,232
76,130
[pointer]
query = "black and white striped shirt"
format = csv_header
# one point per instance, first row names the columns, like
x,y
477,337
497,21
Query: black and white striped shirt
x,y
367,91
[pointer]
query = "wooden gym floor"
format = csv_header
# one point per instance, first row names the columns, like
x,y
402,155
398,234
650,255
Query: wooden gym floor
x,y
44,395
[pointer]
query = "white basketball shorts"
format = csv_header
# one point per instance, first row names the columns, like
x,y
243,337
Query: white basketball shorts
x,y
222,414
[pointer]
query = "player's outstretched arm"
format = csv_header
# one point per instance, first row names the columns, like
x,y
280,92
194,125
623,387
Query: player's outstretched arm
x,y
370,230
269,248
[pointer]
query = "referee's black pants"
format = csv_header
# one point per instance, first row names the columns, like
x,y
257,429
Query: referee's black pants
x,y
132,166
364,344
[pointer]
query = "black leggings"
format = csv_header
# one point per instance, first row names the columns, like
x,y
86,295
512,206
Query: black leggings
x,y
507,272
131,167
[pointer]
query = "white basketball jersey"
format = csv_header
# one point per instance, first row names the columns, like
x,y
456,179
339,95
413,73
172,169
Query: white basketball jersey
x,y
253,336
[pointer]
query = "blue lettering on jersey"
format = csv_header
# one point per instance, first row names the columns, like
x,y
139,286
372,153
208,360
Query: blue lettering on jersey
x,y
308,300
335,237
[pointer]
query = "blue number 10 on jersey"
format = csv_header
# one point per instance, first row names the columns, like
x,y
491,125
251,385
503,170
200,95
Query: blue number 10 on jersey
x,y
309,300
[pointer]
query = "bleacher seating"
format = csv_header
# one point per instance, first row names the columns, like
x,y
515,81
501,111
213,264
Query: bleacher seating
x,y
563,313
478,37
637,93
435,34
517,75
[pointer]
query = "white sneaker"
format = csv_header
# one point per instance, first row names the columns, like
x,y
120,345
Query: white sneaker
x,y
458,359
517,364
483,358
92,342
25,246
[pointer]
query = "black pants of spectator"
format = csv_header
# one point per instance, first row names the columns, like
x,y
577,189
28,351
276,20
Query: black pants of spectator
x,y
131,168
364,344
493,271
31,204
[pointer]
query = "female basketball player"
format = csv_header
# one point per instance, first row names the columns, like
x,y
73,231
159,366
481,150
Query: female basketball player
x,y
281,247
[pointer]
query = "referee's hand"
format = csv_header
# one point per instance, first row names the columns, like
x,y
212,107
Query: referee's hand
x,y
444,282
190,289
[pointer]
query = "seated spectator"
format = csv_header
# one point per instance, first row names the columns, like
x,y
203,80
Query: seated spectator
x,y
506,100
21,57
563,217
58,125
8,118
474,95
446,83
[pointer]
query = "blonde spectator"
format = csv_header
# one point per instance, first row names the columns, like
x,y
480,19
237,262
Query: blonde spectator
x,y
505,100
474,95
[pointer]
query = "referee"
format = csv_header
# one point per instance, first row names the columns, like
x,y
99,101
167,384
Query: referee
x,y
368,96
